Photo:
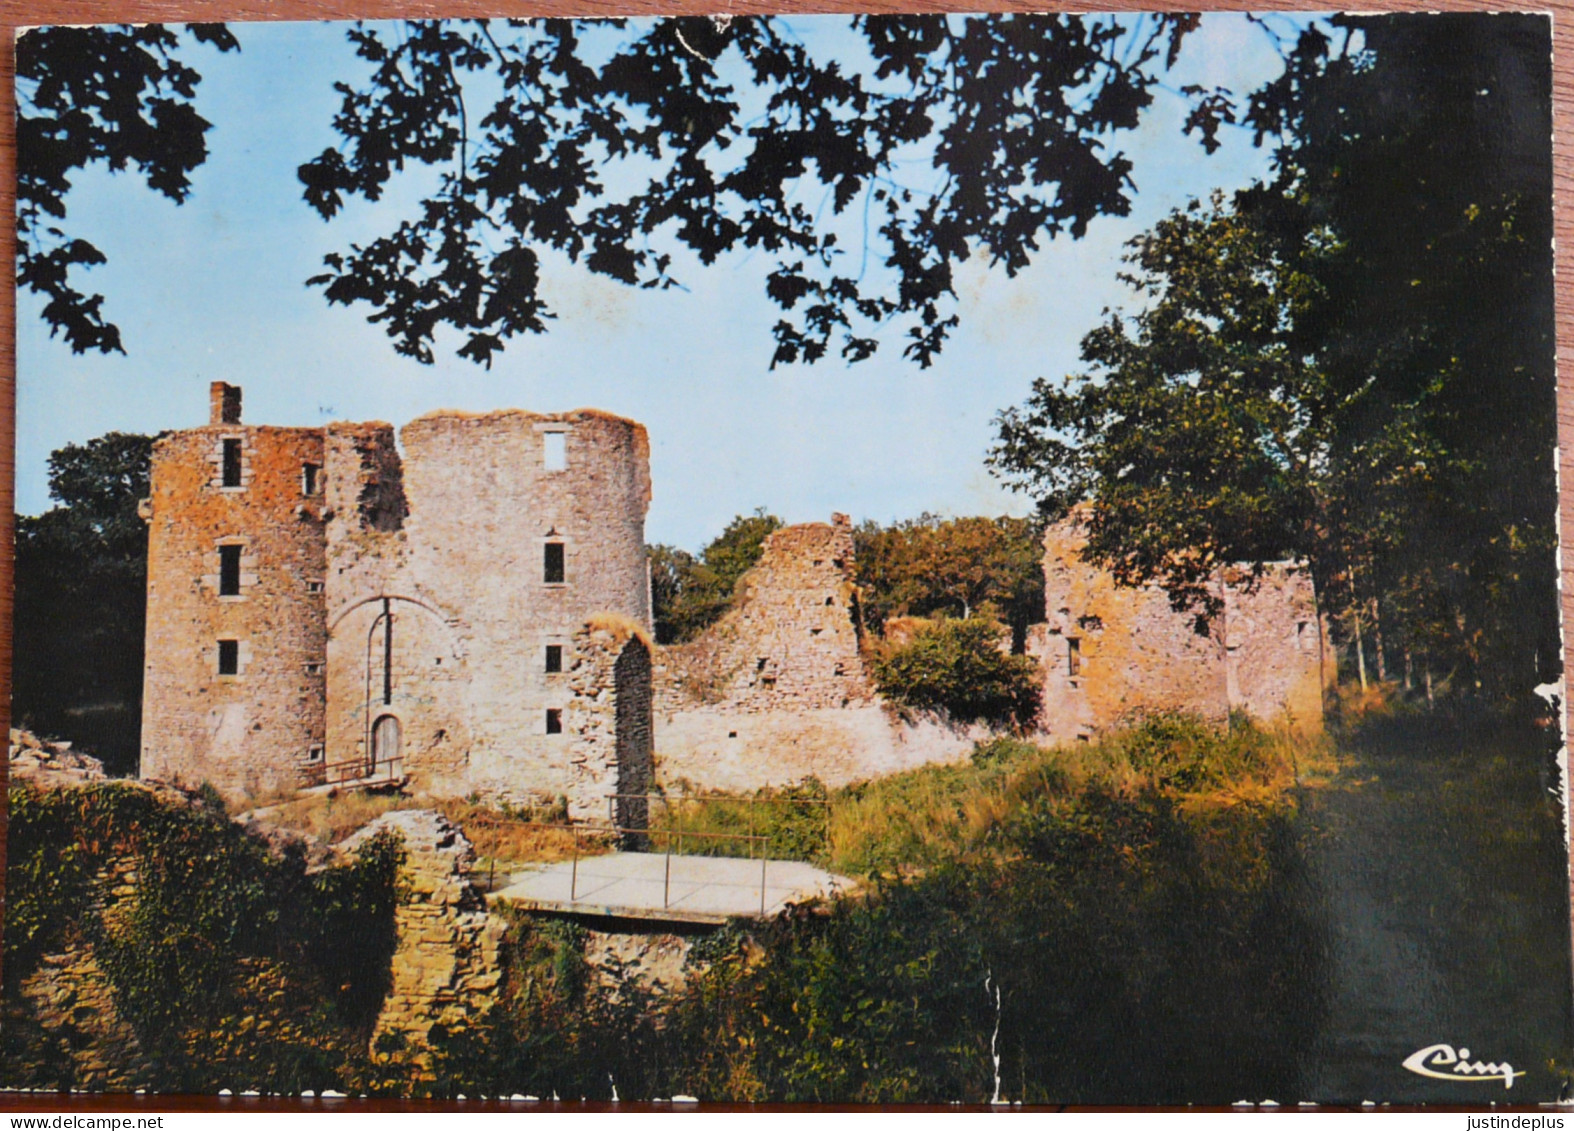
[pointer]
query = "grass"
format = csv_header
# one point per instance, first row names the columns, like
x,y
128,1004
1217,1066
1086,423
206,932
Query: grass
x,y
501,836
901,825
906,823
329,818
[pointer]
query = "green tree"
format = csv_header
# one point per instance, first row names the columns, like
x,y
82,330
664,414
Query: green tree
x,y
960,566
1200,433
950,136
1426,153
958,666
116,96
81,600
689,593
1350,364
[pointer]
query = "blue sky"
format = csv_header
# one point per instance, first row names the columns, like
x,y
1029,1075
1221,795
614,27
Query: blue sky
x,y
214,290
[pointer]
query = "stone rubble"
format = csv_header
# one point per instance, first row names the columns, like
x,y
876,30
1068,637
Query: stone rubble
x,y
446,967
50,765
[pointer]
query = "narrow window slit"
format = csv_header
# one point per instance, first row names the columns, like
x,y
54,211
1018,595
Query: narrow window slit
x,y
231,463
229,571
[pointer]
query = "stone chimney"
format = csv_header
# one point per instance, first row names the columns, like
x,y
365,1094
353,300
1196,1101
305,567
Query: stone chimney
x,y
223,403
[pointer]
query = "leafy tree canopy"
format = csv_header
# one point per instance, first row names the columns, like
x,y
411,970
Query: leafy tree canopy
x,y
953,136
1350,364
689,593
959,667
961,566
81,596
119,97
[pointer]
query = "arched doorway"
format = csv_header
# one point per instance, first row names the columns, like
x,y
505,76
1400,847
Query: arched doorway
x,y
385,747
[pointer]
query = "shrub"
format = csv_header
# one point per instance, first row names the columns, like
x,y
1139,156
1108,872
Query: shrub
x,y
232,966
957,666
1177,750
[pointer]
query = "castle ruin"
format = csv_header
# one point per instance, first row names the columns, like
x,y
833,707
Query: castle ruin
x,y
468,610
1111,653
472,614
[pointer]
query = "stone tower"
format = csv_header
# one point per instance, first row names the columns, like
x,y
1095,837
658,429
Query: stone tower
x,y
468,608
460,572
234,678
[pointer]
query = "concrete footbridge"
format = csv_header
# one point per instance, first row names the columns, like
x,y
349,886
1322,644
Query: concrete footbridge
x,y
669,888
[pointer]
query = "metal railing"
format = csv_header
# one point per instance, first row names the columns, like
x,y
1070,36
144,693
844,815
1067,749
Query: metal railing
x,y
637,833
674,806
353,772
581,829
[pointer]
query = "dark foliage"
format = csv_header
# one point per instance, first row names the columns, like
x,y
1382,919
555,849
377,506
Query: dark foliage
x,y
687,593
116,96
1351,364
957,666
233,967
712,136
960,566
81,600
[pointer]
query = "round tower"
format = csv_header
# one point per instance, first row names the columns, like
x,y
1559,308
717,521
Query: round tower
x,y
234,683
452,632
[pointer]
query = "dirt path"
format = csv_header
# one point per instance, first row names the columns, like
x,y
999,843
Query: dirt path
x,y
1439,864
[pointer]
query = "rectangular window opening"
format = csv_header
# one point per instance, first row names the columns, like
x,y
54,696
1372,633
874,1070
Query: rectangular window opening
x,y
232,463
554,657
314,753
314,587
311,476
229,571
555,450
229,657
552,572
1073,655
554,721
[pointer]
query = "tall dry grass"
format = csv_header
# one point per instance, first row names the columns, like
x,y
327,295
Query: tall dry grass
x,y
909,822
914,820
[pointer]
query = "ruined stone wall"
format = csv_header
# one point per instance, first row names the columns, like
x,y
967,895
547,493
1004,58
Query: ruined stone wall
x,y
608,721
1279,659
445,968
713,749
256,730
1112,653
777,690
479,502
791,639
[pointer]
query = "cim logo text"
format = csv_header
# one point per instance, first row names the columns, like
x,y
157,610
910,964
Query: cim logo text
x,y
1443,1062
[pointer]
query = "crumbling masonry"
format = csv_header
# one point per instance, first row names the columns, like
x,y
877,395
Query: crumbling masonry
x,y
317,601
468,610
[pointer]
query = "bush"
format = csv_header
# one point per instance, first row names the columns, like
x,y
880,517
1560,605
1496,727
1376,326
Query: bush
x,y
957,666
231,967
1181,751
